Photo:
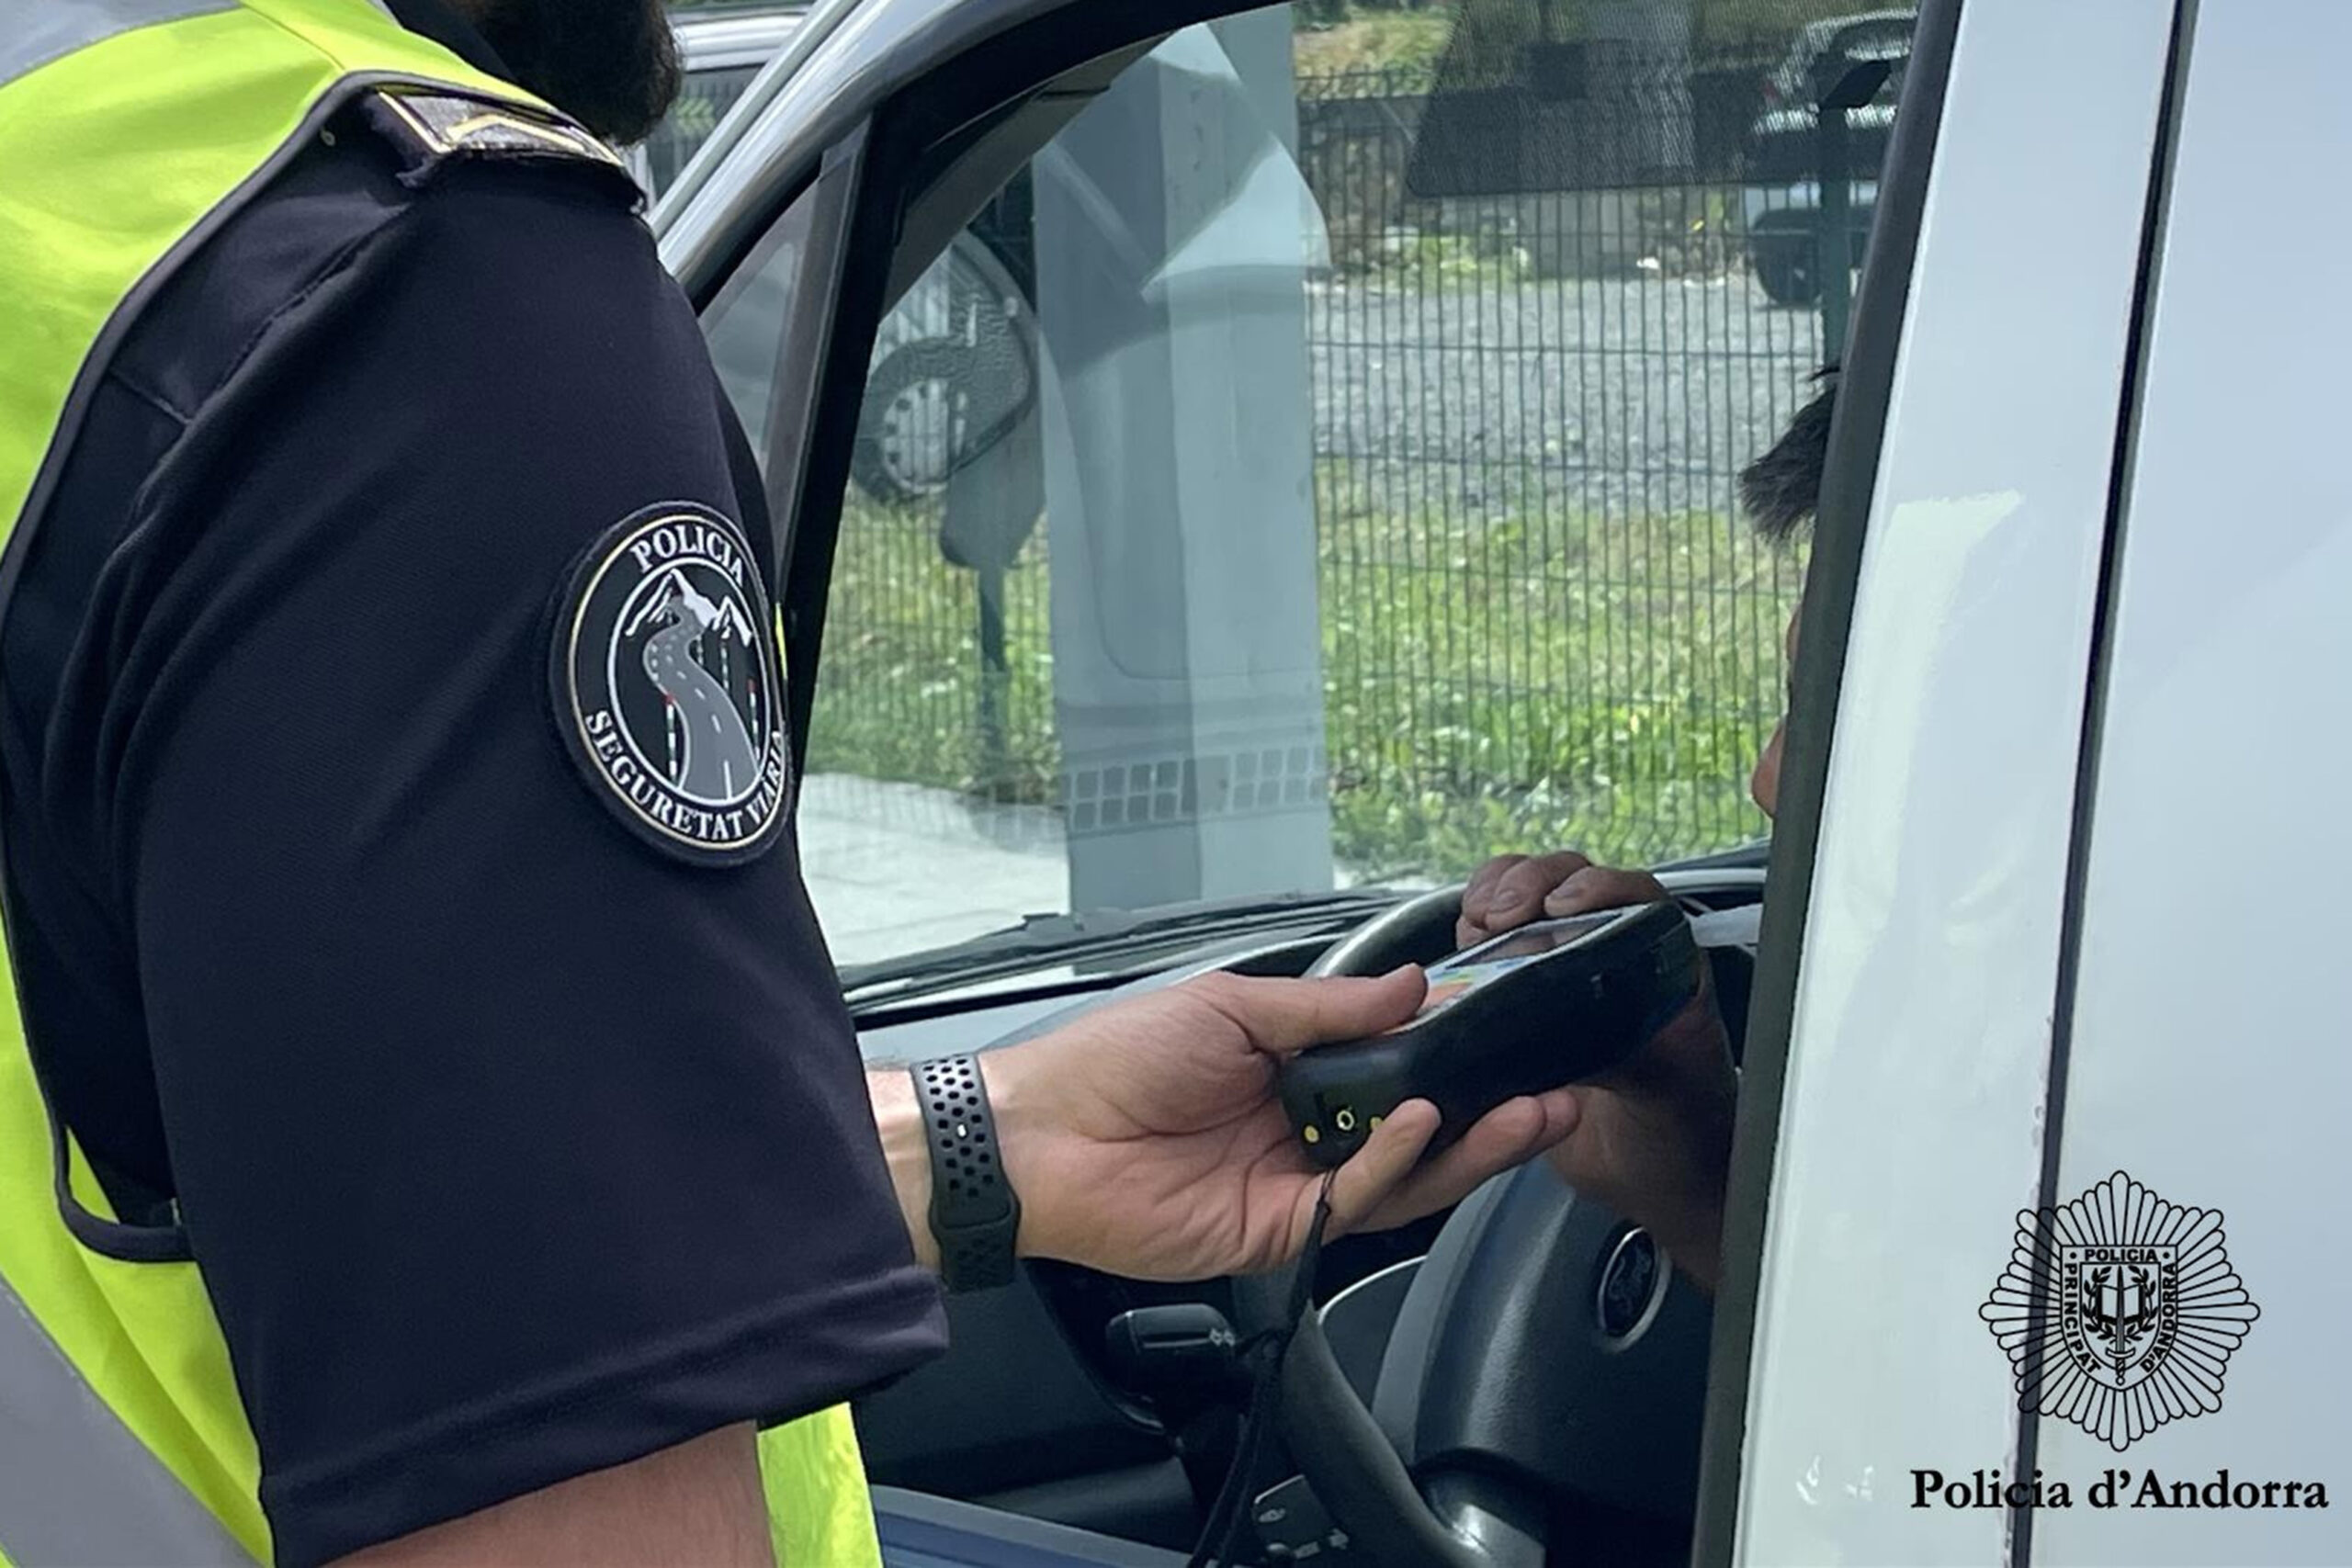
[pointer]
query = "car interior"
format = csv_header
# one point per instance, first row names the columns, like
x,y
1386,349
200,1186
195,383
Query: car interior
x,y
1237,490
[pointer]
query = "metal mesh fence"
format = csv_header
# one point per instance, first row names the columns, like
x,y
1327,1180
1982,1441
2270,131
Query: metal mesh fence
x,y
1536,377
1558,316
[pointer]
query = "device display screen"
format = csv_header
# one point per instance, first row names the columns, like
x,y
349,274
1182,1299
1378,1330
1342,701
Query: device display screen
x,y
1534,941
1463,973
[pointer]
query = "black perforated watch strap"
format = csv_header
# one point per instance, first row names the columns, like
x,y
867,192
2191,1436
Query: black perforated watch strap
x,y
974,1213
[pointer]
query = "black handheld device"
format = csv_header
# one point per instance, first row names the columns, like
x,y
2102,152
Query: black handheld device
x,y
1547,1005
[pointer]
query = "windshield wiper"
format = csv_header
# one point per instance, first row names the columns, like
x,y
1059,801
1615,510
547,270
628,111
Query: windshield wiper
x,y
1104,933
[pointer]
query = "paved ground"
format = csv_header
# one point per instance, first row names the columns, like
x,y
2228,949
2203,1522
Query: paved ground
x,y
1618,396
894,868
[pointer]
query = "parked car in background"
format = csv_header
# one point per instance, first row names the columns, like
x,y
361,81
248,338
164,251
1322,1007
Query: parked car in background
x,y
1782,204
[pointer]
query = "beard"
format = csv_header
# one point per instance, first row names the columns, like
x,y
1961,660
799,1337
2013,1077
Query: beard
x,y
610,64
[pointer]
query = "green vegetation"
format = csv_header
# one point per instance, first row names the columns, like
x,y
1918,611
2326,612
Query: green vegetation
x,y
901,694
1485,40
1363,40
1500,681
1433,264
1727,24
1494,681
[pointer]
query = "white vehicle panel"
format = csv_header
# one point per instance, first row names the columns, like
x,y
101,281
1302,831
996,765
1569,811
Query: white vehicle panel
x,y
2209,1056
724,42
1911,1127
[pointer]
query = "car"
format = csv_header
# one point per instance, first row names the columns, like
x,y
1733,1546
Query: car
x,y
1326,605
1787,218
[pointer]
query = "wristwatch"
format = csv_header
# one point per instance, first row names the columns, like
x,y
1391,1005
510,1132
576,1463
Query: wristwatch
x,y
975,1216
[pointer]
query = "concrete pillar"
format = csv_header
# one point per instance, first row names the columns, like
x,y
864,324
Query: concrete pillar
x,y
1173,239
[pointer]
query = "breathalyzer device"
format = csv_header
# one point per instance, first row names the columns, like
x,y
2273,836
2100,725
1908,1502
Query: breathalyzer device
x,y
1532,1010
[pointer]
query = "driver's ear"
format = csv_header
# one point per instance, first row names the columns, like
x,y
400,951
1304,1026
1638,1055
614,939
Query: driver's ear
x,y
1764,784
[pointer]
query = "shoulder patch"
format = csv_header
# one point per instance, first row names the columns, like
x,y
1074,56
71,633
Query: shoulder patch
x,y
668,684
434,127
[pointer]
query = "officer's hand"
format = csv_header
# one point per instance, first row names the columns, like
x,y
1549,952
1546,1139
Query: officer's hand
x,y
1146,1139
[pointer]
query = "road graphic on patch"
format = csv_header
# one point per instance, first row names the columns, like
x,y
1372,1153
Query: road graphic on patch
x,y
667,684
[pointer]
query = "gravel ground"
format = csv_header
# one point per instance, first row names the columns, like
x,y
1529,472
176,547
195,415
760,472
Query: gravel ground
x,y
1644,395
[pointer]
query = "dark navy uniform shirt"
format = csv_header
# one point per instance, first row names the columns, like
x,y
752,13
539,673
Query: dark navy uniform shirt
x,y
402,908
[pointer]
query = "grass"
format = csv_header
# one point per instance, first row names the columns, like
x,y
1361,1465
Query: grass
x,y
1493,35
1525,677
900,696
1372,40
1431,264
1498,683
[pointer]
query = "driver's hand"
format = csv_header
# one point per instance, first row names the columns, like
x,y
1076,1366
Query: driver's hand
x,y
1146,1138
1653,1139
1508,891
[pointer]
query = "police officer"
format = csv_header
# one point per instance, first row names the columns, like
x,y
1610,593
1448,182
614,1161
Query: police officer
x,y
433,1132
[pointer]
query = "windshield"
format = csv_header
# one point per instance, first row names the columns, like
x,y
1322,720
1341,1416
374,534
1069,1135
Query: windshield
x,y
1315,467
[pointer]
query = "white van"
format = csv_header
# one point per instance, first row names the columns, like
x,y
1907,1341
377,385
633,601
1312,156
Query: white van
x,y
2037,1246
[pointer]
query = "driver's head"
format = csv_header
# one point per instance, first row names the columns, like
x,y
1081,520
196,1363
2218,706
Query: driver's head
x,y
1780,493
610,64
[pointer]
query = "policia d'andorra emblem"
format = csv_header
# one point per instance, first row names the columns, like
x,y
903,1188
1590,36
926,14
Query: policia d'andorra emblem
x,y
668,686
2119,1310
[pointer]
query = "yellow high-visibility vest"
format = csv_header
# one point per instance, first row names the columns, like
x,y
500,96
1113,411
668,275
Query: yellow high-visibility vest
x,y
129,130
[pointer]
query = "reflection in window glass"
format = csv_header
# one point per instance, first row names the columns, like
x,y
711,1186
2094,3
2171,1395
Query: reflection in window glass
x,y
1317,466
745,326
703,98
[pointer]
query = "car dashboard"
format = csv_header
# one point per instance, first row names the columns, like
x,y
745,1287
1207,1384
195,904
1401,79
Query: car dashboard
x,y
1031,1411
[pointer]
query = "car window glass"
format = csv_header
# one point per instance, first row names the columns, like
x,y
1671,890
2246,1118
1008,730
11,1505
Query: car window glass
x,y
745,326
705,95
1317,466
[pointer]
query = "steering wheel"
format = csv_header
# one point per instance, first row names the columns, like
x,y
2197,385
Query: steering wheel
x,y
1540,1399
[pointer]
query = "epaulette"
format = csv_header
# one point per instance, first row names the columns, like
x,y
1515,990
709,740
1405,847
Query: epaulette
x,y
433,127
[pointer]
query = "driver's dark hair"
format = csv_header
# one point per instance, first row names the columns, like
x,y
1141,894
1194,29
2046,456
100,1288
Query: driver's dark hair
x,y
1781,490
